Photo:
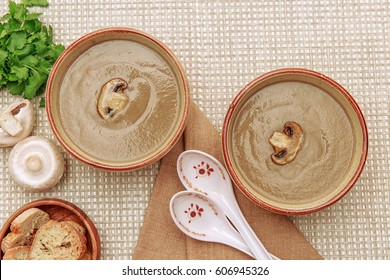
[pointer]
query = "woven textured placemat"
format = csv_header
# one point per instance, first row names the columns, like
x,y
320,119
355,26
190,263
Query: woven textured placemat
x,y
223,45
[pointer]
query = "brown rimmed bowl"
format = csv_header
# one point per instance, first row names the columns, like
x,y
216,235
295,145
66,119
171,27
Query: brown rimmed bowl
x,y
71,54
60,210
336,189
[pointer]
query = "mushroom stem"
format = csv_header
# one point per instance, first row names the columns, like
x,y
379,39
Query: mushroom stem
x,y
34,163
10,124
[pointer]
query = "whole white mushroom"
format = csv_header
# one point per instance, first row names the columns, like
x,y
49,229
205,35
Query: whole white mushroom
x,y
36,163
16,122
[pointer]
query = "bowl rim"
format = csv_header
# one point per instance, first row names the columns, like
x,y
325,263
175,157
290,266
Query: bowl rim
x,y
234,174
88,224
154,157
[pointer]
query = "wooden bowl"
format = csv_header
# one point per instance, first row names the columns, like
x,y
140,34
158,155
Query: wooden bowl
x,y
60,210
334,149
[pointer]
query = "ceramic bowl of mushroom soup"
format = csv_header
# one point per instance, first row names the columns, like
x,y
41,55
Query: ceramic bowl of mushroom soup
x,y
294,141
117,99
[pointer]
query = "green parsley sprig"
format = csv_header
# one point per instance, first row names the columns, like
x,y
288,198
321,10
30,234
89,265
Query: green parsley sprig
x,y
27,51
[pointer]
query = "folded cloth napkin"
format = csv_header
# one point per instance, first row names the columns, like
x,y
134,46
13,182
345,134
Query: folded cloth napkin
x,y
161,239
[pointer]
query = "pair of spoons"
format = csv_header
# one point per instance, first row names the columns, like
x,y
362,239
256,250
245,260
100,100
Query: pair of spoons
x,y
201,211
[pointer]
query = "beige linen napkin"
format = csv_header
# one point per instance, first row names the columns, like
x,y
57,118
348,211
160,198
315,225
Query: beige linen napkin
x,y
161,239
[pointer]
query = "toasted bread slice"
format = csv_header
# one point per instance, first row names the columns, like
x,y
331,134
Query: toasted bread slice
x,y
17,253
58,241
77,226
15,239
29,221
23,227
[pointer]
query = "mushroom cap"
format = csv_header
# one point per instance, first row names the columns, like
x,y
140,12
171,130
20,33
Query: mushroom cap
x,y
36,163
23,112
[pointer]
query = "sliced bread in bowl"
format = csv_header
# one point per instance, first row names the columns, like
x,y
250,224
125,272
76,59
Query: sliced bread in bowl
x,y
58,241
17,253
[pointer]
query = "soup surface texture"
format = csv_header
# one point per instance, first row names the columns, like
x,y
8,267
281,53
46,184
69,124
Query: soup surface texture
x,y
324,157
149,116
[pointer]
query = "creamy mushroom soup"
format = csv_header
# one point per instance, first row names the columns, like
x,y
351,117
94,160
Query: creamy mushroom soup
x,y
324,155
119,101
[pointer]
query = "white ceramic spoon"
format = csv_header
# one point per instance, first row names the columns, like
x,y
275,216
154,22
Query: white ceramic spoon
x,y
200,218
203,173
